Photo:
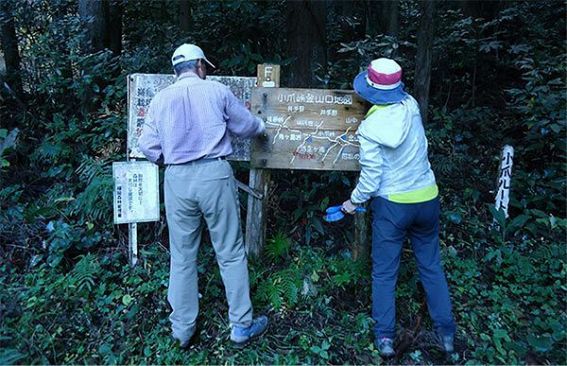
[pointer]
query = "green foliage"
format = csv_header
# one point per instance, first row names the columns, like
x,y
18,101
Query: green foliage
x,y
67,296
278,247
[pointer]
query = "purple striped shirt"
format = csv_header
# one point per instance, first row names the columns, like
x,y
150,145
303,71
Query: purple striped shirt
x,y
190,120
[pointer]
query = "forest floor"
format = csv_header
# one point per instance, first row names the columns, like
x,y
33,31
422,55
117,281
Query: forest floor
x,y
98,310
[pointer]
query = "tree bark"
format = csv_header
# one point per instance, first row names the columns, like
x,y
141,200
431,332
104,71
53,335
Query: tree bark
x,y
372,16
9,41
114,27
185,17
486,9
423,58
354,10
393,18
306,35
94,14
382,17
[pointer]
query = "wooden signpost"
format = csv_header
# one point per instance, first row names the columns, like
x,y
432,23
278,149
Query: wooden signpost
x,y
256,220
308,129
143,87
305,129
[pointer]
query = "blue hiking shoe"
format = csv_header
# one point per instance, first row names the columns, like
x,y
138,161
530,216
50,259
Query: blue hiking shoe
x,y
240,336
385,346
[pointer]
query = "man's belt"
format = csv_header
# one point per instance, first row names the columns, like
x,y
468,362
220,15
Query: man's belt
x,y
200,160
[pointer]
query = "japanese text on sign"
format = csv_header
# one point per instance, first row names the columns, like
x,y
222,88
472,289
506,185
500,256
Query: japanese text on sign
x,y
308,129
143,87
136,197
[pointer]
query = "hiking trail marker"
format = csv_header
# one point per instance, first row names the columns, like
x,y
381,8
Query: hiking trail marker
x,y
136,192
141,90
143,87
310,129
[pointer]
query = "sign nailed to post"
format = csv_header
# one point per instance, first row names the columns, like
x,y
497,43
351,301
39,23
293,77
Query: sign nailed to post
x,y
136,194
308,128
143,87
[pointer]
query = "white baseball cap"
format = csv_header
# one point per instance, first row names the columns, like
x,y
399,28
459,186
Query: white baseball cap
x,y
188,52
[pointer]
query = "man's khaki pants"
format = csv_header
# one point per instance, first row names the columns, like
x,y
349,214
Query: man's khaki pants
x,y
193,191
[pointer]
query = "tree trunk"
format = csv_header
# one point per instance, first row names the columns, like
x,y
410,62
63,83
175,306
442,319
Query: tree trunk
x,y
114,27
10,49
306,36
393,18
372,16
354,10
382,17
423,58
487,9
94,13
185,17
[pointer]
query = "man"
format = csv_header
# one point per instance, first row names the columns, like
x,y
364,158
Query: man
x,y
396,175
187,126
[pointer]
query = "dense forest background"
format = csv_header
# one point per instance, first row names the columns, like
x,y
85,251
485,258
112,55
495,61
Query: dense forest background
x,y
486,73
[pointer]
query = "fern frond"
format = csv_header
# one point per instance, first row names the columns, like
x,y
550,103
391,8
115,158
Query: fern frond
x,y
83,276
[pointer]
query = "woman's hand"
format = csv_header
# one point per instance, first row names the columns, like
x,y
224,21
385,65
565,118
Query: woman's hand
x,y
348,207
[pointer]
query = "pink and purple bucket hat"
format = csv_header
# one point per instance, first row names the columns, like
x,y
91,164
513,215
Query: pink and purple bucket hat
x,y
381,83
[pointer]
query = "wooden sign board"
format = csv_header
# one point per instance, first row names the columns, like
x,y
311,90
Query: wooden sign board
x,y
308,129
143,87
136,197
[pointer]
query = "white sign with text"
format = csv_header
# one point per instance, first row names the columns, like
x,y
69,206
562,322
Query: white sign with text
x,y
136,194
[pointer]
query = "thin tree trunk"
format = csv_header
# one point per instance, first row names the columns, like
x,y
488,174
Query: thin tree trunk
x,y
306,41
393,18
355,10
94,14
10,49
185,17
423,58
114,26
372,16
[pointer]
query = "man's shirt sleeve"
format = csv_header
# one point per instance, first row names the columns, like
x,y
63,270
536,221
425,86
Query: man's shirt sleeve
x,y
370,171
149,142
240,121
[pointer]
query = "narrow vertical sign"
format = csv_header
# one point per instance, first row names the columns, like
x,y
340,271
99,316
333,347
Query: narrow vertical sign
x,y
136,194
504,179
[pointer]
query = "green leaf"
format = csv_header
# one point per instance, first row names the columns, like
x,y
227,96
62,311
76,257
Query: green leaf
x,y
498,215
10,356
540,343
517,223
454,217
318,225
127,300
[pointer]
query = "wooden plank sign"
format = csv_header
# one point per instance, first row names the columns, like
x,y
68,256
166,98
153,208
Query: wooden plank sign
x,y
308,128
143,87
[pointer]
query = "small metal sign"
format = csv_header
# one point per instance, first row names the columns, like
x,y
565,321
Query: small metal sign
x,y
136,194
308,129
143,87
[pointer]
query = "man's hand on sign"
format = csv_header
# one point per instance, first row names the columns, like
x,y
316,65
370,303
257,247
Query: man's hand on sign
x,y
348,207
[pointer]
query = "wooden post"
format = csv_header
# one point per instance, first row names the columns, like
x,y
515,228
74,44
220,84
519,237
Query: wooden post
x,y
268,77
133,243
132,227
360,248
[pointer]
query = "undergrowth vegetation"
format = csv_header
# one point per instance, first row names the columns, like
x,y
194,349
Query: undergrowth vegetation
x,y
67,295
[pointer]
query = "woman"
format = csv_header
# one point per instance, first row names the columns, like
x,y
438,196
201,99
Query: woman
x,y
396,175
